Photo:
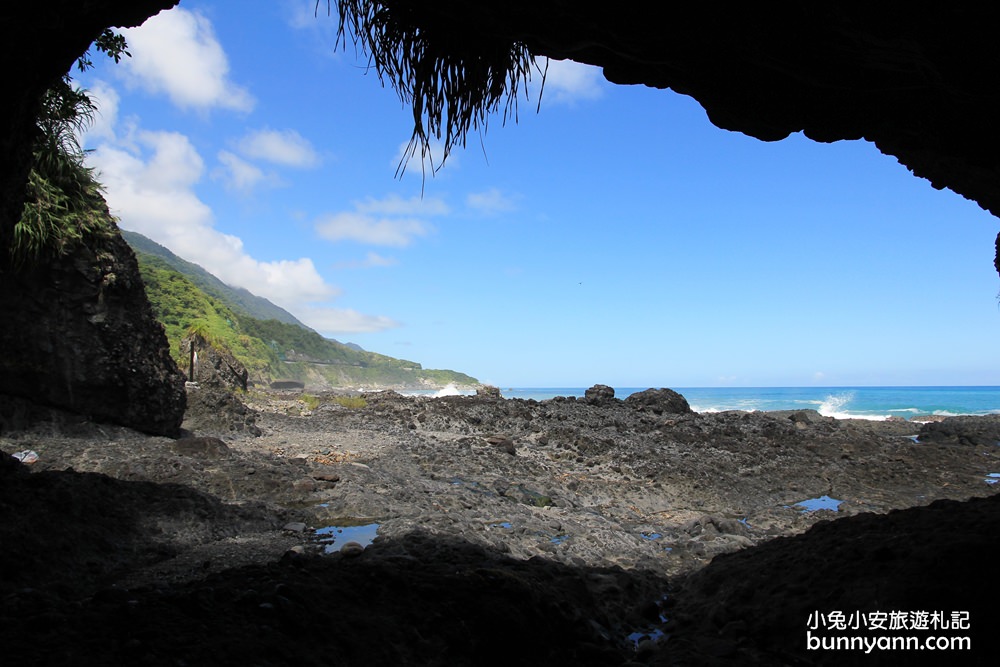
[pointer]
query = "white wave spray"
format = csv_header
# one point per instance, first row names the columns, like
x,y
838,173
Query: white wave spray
x,y
448,390
835,405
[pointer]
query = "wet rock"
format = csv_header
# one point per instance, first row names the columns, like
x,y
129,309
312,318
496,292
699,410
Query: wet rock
x,y
351,549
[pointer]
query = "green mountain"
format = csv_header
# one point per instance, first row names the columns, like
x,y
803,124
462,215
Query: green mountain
x,y
236,297
270,348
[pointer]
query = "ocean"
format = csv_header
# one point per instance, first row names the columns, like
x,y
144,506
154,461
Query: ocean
x,y
841,402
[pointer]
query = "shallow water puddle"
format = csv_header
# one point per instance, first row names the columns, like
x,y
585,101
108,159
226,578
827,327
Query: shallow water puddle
x,y
651,632
654,634
992,478
821,503
333,538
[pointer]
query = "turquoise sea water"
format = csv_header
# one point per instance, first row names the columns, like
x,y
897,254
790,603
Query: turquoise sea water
x,y
841,402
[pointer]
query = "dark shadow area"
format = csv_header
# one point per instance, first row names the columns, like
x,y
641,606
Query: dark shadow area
x,y
422,599
753,606
429,599
72,533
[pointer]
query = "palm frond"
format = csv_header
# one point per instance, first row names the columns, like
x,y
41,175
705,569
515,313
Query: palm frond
x,y
453,80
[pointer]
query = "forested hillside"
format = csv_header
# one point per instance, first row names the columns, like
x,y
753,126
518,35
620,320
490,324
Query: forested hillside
x,y
271,349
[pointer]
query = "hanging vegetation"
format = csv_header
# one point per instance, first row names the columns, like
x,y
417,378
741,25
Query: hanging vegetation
x,y
453,79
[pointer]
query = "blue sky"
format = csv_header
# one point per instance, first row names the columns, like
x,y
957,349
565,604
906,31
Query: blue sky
x,y
614,236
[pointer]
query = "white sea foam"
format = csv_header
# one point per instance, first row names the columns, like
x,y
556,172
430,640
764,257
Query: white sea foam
x,y
448,390
833,405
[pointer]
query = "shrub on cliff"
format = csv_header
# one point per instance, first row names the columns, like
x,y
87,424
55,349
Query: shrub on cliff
x,y
64,204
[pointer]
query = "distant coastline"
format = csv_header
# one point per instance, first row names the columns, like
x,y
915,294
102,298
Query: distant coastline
x,y
876,403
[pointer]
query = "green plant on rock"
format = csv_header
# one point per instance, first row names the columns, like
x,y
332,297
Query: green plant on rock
x,y
64,204
311,402
203,330
351,402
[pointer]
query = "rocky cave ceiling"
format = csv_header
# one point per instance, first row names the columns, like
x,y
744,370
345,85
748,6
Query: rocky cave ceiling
x,y
919,85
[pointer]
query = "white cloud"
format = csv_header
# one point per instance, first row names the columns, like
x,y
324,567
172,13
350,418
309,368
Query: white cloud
x,y
176,53
106,99
237,174
567,82
332,321
153,195
490,202
374,259
151,190
355,226
283,147
371,260
396,205
149,185
392,221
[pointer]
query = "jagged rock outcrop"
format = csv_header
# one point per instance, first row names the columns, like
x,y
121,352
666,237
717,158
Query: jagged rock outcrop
x,y
214,367
215,411
79,334
973,431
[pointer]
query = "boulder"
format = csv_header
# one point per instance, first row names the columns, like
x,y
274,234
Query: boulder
x,y
488,391
287,384
599,394
79,334
659,401
216,411
981,431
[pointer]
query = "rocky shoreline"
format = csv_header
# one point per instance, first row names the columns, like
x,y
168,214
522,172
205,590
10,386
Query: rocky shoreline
x,y
587,531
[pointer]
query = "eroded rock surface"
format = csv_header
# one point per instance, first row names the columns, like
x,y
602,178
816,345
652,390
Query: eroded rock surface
x,y
603,534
